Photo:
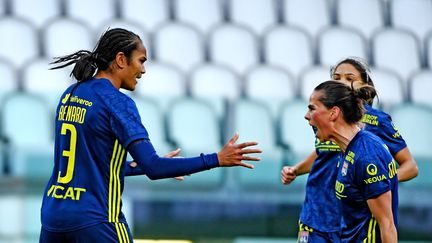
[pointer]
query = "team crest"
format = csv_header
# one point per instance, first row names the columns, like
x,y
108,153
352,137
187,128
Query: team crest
x,y
303,236
344,168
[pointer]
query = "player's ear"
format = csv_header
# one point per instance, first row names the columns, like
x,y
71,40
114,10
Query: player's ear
x,y
335,112
121,60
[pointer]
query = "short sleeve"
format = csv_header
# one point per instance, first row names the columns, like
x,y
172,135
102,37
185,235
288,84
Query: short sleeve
x,y
125,120
372,175
390,135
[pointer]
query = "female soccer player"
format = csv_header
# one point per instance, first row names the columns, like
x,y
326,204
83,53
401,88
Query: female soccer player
x,y
95,125
325,224
366,183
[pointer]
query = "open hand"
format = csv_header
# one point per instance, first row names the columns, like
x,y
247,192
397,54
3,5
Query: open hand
x,y
233,154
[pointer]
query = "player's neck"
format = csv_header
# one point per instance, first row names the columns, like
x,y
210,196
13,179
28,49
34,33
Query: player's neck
x,y
108,75
344,134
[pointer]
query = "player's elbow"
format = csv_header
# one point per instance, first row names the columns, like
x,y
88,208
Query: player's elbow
x,y
414,170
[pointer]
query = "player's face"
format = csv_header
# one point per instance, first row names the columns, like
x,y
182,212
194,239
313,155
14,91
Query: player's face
x,y
318,116
135,68
347,74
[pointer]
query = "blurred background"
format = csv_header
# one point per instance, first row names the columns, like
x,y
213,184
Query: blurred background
x,y
215,67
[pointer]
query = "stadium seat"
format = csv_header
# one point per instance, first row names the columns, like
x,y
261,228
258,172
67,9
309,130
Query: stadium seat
x,y
8,78
390,88
32,222
351,14
190,133
2,7
91,13
30,143
162,82
266,172
419,86
203,15
270,85
194,127
423,180
49,84
298,13
17,110
12,216
412,15
254,121
129,25
215,83
311,77
179,44
413,122
397,50
152,118
38,13
295,132
336,43
2,162
428,50
22,42
257,15
148,13
234,46
58,34
288,47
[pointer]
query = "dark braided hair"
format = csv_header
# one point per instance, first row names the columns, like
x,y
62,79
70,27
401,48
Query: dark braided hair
x,y
111,42
363,68
348,99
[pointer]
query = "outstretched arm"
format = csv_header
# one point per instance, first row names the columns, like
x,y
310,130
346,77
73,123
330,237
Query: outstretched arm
x,y
131,166
155,167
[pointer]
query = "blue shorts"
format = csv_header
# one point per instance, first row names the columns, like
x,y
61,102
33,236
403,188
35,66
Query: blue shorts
x,y
309,235
103,232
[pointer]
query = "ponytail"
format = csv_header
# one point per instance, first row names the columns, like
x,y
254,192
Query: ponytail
x,y
85,64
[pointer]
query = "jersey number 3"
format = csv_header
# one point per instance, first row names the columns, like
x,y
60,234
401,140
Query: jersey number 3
x,y
70,154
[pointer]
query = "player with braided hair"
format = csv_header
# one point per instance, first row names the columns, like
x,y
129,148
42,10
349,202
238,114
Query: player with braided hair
x,y
96,125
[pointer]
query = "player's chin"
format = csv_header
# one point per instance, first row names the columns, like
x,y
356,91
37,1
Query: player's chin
x,y
131,85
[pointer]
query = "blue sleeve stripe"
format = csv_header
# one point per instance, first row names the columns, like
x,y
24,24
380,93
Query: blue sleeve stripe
x,y
114,193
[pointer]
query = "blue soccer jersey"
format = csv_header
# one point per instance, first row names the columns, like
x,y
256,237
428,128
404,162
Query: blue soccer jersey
x,y
94,126
380,124
366,170
321,208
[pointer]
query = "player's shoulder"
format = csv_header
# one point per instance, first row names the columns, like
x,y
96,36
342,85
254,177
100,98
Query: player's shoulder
x,y
367,142
381,116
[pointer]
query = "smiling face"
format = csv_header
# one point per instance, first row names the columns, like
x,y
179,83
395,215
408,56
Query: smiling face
x,y
134,68
319,116
347,74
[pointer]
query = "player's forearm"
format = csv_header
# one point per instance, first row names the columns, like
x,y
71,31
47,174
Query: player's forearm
x,y
388,233
155,167
407,165
407,171
305,166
